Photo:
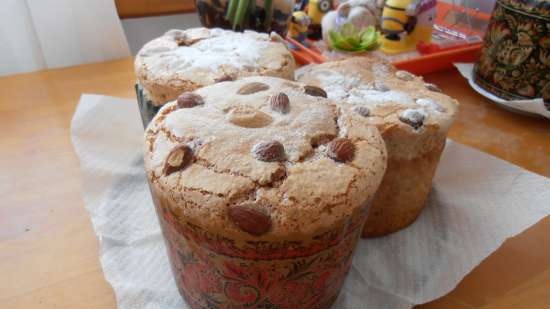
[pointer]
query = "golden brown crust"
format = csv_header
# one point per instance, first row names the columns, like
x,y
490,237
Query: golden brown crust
x,y
405,187
170,65
413,118
305,194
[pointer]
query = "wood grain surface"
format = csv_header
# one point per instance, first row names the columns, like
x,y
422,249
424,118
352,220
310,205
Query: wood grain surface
x,y
49,252
142,8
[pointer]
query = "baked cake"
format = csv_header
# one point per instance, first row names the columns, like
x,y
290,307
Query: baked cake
x,y
262,187
184,60
413,118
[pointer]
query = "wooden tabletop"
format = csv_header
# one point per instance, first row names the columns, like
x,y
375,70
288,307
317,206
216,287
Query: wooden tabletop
x,y
49,252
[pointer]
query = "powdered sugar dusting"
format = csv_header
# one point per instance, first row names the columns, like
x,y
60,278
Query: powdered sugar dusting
x,y
162,148
415,117
222,48
431,105
414,114
353,90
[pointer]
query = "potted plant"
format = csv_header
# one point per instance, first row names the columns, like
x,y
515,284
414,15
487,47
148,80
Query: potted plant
x,y
258,15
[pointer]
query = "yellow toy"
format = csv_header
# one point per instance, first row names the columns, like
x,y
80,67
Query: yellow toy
x,y
405,23
316,9
298,26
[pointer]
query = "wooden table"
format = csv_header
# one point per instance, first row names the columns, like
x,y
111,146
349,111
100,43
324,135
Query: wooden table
x,y
48,250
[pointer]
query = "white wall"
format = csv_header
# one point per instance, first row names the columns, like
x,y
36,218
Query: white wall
x,y
39,34
73,32
19,47
142,30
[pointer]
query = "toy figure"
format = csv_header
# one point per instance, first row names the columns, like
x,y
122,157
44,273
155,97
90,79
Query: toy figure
x,y
405,23
360,13
298,27
300,5
316,9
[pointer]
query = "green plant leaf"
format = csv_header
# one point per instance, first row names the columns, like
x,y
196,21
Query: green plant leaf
x,y
231,8
348,30
350,39
333,37
268,7
368,34
338,41
251,14
242,8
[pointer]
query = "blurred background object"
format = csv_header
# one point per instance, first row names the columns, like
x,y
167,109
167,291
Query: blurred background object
x,y
146,8
258,15
359,13
452,31
515,61
316,10
298,28
405,23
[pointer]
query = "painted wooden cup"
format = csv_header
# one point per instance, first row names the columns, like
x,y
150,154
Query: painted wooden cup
x,y
515,61
216,272
147,110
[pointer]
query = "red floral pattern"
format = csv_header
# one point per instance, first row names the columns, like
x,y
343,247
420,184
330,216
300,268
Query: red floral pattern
x,y
213,272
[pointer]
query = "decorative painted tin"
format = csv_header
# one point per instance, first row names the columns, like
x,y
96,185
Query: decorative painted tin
x,y
212,14
216,272
515,61
146,108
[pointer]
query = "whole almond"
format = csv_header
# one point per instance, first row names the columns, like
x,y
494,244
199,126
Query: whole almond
x,y
251,88
250,219
178,159
341,150
432,87
248,117
189,38
279,102
362,110
269,151
178,36
224,78
189,99
181,40
315,91
404,75
320,139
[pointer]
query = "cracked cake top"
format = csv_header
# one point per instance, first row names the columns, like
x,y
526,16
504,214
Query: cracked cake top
x,y
262,158
183,60
386,97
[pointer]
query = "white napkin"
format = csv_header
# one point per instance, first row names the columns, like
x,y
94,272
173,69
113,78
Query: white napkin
x,y
476,203
535,106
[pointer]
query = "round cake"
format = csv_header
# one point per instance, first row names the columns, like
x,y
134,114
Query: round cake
x,y
413,118
184,60
262,187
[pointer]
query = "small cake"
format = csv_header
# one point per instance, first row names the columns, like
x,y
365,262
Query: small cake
x,y
184,60
413,118
262,187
